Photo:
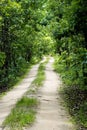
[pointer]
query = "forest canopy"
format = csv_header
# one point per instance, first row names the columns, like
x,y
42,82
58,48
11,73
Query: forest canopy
x,y
30,29
21,38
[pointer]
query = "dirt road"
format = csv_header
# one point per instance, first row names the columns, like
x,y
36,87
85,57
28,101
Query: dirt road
x,y
51,114
10,99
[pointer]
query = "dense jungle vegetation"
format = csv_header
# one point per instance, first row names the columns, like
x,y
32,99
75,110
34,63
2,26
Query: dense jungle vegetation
x,y
30,29
70,33
23,39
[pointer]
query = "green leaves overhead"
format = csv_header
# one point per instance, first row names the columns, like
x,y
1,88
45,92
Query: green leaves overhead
x,y
23,36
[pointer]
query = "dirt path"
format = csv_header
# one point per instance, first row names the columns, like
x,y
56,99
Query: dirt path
x,y
51,115
10,99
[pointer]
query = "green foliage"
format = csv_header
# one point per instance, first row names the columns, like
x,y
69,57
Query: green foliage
x,y
23,38
73,91
2,58
71,39
76,101
70,33
31,29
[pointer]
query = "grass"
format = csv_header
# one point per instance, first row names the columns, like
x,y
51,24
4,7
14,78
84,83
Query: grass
x,y
28,102
40,75
24,113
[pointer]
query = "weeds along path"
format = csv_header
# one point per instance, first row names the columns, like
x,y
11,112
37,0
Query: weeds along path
x,y
51,114
10,99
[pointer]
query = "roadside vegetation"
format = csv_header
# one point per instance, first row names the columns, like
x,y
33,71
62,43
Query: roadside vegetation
x,y
19,79
73,95
70,33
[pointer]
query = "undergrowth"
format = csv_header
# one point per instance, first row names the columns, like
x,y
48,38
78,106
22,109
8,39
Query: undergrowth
x,y
18,78
73,93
